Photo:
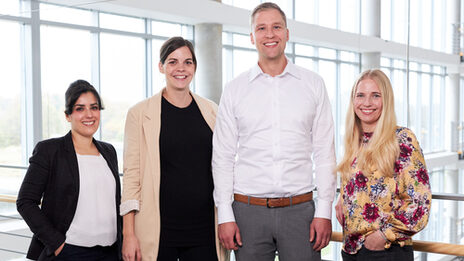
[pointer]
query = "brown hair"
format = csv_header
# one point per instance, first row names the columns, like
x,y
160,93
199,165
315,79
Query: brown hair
x,y
266,6
173,44
75,90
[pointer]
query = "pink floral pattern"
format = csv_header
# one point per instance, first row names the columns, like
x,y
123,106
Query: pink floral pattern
x,y
360,180
422,176
398,206
371,212
350,188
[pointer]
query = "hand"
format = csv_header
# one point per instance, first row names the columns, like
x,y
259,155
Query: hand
x,y
229,235
339,211
320,230
131,248
375,241
58,250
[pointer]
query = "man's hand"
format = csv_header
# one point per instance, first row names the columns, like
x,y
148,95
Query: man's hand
x,y
320,230
131,248
375,241
229,235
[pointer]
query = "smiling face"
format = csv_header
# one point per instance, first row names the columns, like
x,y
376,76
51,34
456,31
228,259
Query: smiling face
x,y
178,68
368,104
85,116
270,35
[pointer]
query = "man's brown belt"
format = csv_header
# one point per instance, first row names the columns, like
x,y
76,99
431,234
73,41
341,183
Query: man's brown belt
x,y
274,202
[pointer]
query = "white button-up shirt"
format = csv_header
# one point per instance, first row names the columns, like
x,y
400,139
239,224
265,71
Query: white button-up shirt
x,y
268,132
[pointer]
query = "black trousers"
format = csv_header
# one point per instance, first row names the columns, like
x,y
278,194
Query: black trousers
x,y
394,253
196,253
79,253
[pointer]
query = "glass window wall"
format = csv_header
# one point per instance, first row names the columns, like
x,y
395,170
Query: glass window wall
x,y
108,50
11,98
427,23
426,100
62,14
122,83
65,57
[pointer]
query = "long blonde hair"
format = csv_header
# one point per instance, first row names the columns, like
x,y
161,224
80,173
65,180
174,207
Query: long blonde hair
x,y
382,150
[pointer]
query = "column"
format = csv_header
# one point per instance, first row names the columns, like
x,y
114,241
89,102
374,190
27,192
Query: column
x,y
451,185
31,134
452,111
451,179
453,21
208,50
370,25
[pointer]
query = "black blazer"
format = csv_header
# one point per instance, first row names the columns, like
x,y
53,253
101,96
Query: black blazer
x,y
53,177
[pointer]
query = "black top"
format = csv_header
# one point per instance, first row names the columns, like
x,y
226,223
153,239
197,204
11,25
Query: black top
x,y
186,189
53,179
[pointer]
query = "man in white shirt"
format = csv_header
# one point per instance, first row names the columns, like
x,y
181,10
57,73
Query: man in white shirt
x,y
273,121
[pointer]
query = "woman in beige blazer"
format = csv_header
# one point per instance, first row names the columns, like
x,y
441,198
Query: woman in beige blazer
x,y
167,205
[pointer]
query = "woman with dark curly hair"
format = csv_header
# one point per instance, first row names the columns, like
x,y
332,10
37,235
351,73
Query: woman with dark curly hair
x,y
70,194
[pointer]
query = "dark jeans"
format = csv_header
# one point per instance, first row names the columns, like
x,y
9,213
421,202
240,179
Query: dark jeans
x,y
203,253
79,253
394,253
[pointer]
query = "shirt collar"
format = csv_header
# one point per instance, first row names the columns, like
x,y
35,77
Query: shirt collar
x,y
290,68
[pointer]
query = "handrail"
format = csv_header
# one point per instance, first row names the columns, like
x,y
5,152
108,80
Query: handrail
x,y
422,246
448,196
8,199
12,167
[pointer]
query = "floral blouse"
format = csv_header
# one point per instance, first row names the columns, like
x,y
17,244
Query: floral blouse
x,y
398,206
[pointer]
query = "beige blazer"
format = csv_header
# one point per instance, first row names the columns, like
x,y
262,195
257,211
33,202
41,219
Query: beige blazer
x,y
141,180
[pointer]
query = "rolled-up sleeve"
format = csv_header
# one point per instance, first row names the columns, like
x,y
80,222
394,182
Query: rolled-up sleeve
x,y
130,200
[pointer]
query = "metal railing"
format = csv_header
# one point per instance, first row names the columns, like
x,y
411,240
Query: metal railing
x,y
422,246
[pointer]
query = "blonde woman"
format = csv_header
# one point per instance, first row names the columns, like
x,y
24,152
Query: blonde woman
x,y
385,192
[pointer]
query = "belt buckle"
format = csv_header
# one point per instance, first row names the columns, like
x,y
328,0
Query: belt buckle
x,y
278,199
267,203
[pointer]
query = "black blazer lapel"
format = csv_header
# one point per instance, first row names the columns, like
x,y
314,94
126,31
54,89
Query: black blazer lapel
x,y
72,160
110,160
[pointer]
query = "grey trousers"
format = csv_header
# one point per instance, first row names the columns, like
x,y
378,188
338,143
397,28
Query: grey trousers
x,y
267,230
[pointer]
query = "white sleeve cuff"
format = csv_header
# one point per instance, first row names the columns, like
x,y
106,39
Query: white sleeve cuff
x,y
323,209
128,206
225,214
